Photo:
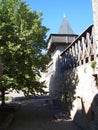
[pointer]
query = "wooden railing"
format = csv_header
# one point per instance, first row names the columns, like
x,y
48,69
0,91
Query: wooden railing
x,y
80,51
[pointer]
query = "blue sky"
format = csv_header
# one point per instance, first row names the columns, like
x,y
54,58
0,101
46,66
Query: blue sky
x,y
77,12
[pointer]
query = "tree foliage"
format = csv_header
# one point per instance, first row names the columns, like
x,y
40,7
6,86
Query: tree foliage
x,y
22,41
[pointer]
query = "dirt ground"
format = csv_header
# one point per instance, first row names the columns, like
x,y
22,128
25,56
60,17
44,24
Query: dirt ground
x,y
38,114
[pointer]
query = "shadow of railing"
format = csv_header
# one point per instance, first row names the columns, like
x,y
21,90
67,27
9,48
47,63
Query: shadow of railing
x,y
69,81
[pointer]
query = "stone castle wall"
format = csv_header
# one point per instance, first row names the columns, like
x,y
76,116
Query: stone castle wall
x,y
75,78
95,18
84,106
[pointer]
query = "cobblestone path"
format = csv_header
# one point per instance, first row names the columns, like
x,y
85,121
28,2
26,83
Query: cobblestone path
x,y
38,114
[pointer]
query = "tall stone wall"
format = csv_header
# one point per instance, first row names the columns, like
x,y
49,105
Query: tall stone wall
x,y
95,19
84,106
78,87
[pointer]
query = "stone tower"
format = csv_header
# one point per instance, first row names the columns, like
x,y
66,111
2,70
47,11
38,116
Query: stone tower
x,y
57,43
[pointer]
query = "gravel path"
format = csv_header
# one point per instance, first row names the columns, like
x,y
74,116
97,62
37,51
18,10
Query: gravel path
x,y
38,114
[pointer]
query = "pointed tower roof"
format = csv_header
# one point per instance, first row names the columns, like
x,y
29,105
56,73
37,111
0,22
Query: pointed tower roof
x,y
64,37
65,27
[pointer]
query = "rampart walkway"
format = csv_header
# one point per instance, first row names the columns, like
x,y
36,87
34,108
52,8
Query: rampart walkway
x,y
38,114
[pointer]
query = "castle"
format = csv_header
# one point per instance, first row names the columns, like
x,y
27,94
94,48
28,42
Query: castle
x,y
72,74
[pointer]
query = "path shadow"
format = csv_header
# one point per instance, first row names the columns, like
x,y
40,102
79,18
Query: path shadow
x,y
39,113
